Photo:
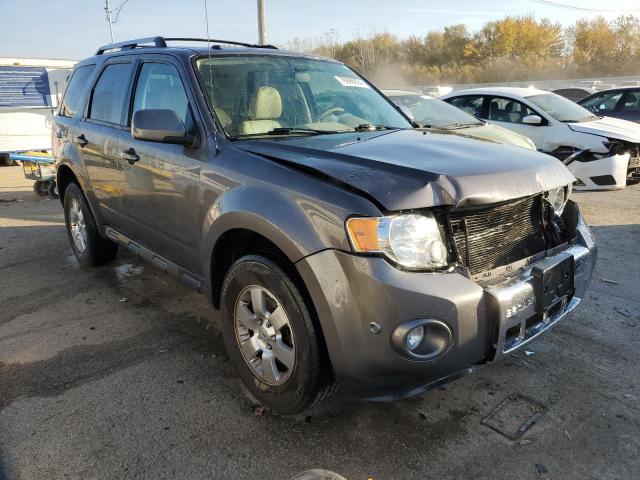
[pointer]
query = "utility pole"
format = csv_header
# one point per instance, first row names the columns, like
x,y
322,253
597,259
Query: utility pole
x,y
112,16
262,27
107,10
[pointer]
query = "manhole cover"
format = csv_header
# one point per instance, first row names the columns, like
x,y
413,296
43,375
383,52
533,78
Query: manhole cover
x,y
514,416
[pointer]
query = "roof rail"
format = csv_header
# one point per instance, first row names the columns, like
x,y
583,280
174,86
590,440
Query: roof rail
x,y
128,44
213,40
161,42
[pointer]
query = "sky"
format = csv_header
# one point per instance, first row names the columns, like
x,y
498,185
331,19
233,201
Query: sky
x,y
73,29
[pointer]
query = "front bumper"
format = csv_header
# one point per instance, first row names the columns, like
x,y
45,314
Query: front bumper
x,y
487,321
609,173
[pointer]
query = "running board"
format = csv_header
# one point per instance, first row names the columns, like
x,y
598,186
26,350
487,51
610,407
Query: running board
x,y
158,261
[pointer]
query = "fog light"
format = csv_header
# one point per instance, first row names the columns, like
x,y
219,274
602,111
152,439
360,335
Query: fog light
x,y
414,338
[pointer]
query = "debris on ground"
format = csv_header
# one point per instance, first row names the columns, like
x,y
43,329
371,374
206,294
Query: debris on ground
x,y
525,441
528,353
568,435
612,282
123,299
260,411
541,469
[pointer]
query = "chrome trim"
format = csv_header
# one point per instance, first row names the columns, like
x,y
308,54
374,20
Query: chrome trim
x,y
514,301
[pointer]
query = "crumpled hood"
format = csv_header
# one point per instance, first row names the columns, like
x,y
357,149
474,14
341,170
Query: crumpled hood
x,y
407,169
609,127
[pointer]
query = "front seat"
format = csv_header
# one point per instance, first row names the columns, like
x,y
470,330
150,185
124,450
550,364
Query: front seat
x,y
264,111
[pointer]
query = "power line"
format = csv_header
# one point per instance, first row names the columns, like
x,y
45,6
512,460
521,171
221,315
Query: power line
x,y
583,9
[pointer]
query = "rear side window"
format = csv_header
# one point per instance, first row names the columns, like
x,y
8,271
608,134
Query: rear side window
x,y
470,104
159,87
75,88
107,101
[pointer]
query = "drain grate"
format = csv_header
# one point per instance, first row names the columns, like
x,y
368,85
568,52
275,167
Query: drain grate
x,y
514,416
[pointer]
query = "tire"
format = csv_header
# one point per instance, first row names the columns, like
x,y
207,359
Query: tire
x,y
90,249
299,383
40,188
53,189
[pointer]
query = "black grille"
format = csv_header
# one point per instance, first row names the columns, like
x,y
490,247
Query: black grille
x,y
494,236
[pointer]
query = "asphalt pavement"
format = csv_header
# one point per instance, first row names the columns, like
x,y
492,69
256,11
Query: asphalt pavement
x,y
120,372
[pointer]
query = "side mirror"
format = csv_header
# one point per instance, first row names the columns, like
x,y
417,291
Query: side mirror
x,y
532,120
162,126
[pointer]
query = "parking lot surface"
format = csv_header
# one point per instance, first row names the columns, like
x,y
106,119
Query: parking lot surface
x,y
120,372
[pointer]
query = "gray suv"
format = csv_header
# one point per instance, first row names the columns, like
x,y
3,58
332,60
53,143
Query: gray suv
x,y
341,244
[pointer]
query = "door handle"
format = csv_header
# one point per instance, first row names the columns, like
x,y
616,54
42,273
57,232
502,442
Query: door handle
x,y
130,155
81,140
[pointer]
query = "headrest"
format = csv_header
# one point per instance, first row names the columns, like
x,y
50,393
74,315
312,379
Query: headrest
x,y
267,104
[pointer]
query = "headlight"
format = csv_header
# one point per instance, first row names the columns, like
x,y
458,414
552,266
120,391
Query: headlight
x,y
558,197
413,241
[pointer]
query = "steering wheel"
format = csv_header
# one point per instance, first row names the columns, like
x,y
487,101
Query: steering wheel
x,y
329,111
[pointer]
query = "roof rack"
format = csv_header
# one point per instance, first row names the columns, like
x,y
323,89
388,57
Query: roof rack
x,y
129,44
213,40
161,42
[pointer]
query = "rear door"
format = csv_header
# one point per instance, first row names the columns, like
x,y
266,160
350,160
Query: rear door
x,y
99,134
161,188
71,108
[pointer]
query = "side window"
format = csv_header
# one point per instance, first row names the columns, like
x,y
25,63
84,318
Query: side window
x,y
507,110
107,101
631,102
159,88
604,102
75,87
470,104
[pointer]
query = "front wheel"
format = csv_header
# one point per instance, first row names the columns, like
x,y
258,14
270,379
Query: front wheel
x,y
270,337
88,246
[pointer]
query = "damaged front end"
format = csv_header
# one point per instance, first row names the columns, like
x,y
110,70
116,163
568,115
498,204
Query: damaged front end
x,y
606,170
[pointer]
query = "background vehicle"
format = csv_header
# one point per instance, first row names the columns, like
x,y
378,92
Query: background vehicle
x,y
623,102
574,93
434,113
597,150
339,242
29,90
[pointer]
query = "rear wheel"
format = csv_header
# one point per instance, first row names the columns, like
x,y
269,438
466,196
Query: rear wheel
x,y
270,337
88,246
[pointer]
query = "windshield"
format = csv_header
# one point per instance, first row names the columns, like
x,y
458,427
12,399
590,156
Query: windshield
x,y
562,109
435,113
274,95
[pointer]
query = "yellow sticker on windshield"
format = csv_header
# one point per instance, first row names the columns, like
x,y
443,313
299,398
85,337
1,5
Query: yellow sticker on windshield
x,y
352,82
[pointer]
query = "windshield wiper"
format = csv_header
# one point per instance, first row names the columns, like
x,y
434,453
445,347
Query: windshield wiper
x,y
285,131
368,127
455,126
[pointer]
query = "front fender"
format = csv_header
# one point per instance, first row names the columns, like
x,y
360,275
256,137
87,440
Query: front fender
x,y
297,224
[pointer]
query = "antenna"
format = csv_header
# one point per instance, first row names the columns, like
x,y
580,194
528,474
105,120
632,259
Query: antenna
x,y
206,21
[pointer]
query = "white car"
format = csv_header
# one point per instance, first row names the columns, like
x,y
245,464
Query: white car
x,y
599,151
434,113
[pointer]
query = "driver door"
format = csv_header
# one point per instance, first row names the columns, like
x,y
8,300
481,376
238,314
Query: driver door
x,y
161,181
